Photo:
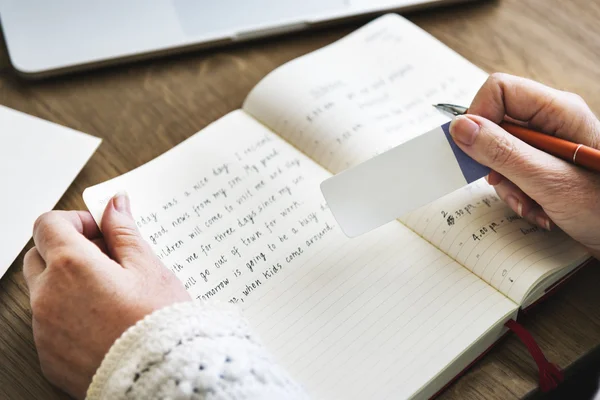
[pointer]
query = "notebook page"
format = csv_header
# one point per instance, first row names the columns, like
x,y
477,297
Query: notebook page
x,y
477,229
364,94
373,90
387,315
237,215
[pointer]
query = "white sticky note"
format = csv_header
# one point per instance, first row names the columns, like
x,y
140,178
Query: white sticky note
x,y
38,162
400,180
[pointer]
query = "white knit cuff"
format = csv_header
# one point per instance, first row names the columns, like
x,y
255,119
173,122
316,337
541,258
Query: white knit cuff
x,y
190,350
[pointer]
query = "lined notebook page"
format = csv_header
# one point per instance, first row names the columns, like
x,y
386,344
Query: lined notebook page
x,y
477,229
236,213
373,90
364,94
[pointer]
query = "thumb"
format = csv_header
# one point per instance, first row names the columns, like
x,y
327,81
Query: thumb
x,y
537,173
123,240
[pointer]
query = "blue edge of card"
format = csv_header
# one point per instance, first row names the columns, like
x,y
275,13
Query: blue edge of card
x,y
470,168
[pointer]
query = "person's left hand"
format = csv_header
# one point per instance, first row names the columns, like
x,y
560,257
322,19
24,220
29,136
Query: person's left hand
x,y
86,289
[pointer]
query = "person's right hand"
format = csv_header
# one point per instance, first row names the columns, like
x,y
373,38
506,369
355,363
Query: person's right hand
x,y
539,187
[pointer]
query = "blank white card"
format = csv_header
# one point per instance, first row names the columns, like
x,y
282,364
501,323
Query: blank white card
x,y
38,162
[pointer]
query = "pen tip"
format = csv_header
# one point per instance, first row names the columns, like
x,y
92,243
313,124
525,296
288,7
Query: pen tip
x,y
450,109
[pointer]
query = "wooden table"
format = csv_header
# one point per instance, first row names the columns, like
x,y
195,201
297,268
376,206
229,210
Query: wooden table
x,y
145,109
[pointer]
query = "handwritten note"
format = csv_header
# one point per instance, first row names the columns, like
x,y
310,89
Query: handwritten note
x,y
364,94
226,223
474,227
236,213
373,90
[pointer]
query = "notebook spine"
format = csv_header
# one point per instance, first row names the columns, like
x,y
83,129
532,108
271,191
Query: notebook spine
x,y
550,374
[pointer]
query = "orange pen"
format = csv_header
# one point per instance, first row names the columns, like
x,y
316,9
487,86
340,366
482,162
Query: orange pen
x,y
575,153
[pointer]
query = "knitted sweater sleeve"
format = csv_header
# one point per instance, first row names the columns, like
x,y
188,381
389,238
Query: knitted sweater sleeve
x,y
191,351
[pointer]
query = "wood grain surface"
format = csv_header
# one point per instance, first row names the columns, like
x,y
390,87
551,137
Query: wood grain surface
x,y
143,109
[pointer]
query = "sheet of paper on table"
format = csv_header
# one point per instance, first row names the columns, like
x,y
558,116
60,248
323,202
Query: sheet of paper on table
x,y
38,162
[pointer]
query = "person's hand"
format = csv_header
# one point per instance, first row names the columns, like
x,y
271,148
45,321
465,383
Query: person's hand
x,y
539,187
86,289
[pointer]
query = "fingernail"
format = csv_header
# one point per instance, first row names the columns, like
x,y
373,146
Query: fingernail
x,y
520,208
515,204
121,202
464,130
543,222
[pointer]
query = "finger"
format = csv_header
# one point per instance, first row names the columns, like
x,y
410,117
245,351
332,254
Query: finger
x,y
82,221
123,240
101,244
518,201
515,198
33,266
552,111
522,205
536,173
494,178
544,221
56,230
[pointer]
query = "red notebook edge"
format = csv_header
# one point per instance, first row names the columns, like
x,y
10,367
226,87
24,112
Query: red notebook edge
x,y
523,312
555,286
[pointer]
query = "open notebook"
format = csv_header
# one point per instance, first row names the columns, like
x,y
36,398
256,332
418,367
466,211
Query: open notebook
x,y
236,213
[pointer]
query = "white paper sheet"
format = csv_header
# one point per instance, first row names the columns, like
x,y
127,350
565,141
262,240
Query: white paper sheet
x,y
38,162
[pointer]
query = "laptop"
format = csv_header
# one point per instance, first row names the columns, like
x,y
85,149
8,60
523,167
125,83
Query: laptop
x,y
46,38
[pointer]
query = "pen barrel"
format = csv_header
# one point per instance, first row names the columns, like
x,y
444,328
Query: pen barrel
x,y
572,152
588,157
